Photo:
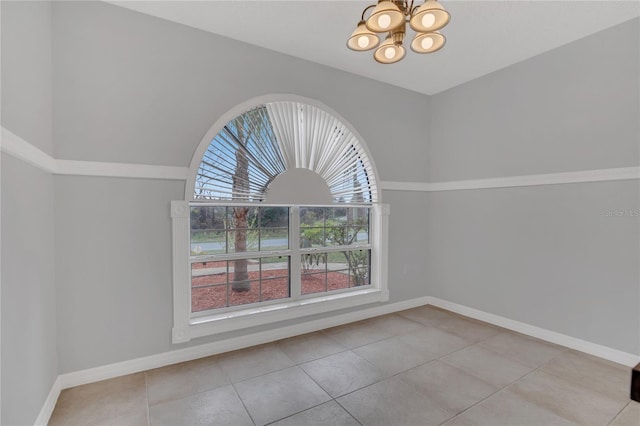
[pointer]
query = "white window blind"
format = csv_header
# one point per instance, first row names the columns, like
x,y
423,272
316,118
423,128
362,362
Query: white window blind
x,y
255,147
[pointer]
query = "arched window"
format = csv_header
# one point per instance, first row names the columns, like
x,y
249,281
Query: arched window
x,y
281,221
247,155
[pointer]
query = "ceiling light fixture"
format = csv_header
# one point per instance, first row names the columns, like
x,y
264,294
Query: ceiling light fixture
x,y
391,17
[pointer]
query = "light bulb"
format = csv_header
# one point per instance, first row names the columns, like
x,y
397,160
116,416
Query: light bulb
x,y
427,43
389,52
428,20
363,41
384,20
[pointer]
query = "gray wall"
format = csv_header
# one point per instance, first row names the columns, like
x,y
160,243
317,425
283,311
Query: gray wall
x,y
549,256
573,108
136,89
26,71
29,355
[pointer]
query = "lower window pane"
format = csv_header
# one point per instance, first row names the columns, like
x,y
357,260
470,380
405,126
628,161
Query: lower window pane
x,y
208,273
274,267
360,267
243,270
205,298
219,284
277,288
242,293
313,262
314,283
335,270
338,279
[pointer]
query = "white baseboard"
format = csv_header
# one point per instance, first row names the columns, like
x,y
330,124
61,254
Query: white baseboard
x,y
49,404
590,348
91,375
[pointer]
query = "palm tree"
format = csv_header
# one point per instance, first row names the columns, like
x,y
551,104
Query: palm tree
x,y
240,187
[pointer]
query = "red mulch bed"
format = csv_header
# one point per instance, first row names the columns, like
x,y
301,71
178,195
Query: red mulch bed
x,y
210,291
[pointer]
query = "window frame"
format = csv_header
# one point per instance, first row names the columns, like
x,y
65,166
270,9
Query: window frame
x,y
188,325
186,328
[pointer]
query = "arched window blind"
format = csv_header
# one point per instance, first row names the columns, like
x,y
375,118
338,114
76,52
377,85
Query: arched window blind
x,y
255,147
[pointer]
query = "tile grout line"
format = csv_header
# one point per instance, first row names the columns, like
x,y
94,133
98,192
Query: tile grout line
x,y
317,405
295,364
243,404
233,385
618,413
296,413
441,359
146,394
335,399
574,382
417,366
400,372
539,368
571,380
330,396
348,412
496,392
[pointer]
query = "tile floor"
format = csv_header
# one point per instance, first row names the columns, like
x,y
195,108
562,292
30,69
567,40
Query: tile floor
x,y
423,366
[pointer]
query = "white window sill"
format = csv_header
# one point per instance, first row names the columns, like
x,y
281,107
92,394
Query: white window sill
x,y
236,320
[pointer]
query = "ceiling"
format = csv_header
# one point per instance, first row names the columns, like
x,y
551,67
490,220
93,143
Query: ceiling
x,y
483,36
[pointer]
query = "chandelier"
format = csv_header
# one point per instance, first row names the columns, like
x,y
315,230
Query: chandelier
x,y
391,17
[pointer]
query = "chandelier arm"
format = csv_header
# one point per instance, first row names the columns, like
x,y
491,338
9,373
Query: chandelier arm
x,y
365,10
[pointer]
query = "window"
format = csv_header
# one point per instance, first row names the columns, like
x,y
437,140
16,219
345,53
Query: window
x,y
239,255
281,221
335,249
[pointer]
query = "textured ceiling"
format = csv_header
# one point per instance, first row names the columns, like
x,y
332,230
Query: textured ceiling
x,y
483,36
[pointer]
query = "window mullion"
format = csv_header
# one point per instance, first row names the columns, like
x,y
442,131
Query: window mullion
x,y
330,249
294,246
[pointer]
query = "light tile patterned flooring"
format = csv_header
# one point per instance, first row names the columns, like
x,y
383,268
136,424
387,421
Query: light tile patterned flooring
x,y
423,366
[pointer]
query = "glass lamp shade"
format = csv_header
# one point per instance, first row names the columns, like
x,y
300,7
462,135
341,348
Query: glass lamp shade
x,y
429,17
428,42
389,52
362,39
385,17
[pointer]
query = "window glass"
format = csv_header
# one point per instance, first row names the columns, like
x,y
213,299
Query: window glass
x,y
335,270
333,226
219,284
208,225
